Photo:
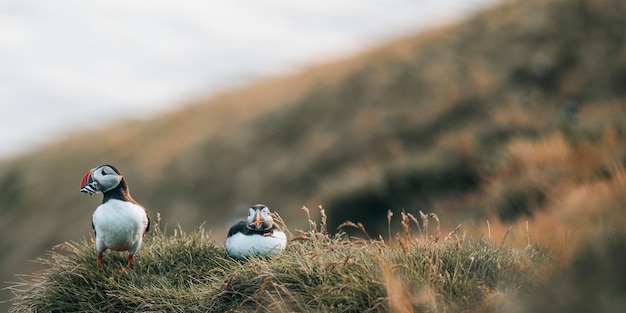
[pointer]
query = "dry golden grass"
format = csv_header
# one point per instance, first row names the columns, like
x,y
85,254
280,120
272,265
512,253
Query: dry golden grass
x,y
583,186
420,270
516,114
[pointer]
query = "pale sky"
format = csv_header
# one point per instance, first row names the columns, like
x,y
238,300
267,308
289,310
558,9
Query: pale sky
x,y
67,65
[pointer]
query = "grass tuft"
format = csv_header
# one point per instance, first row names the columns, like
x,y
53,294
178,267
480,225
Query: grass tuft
x,y
188,272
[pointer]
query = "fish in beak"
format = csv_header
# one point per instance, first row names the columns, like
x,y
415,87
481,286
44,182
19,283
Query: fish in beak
x,y
88,185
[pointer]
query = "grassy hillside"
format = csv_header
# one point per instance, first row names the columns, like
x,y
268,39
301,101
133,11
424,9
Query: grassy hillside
x,y
516,115
418,271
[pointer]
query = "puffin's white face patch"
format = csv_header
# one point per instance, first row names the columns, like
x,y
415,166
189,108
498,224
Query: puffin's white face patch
x,y
251,215
105,178
265,215
263,221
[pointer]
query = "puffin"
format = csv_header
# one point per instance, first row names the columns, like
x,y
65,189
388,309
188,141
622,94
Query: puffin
x,y
119,222
257,235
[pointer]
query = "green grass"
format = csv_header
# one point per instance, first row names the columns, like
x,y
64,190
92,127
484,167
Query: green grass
x,y
189,272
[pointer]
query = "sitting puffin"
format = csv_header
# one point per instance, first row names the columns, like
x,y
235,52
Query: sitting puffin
x,y
119,222
256,235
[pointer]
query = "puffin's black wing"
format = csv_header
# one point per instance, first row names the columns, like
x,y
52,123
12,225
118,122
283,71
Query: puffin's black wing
x,y
241,227
147,226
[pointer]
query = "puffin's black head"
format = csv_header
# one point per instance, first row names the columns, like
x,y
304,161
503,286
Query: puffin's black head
x,y
259,218
100,179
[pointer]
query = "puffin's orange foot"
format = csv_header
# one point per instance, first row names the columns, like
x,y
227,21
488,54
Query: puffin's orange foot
x,y
124,269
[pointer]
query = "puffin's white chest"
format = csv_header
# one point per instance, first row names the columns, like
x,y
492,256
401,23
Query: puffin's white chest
x,y
119,225
240,245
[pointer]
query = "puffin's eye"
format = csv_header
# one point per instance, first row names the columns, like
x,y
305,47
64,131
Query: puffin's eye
x,y
103,172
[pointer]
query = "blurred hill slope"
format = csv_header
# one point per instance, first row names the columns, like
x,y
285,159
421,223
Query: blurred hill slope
x,y
508,114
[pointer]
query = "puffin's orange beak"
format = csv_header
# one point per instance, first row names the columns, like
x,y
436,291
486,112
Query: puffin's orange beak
x,y
87,184
87,179
257,220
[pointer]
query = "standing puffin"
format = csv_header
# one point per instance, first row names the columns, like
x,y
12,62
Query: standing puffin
x,y
119,222
256,235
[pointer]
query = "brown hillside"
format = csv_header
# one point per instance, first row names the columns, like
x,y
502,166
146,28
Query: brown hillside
x,y
516,114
